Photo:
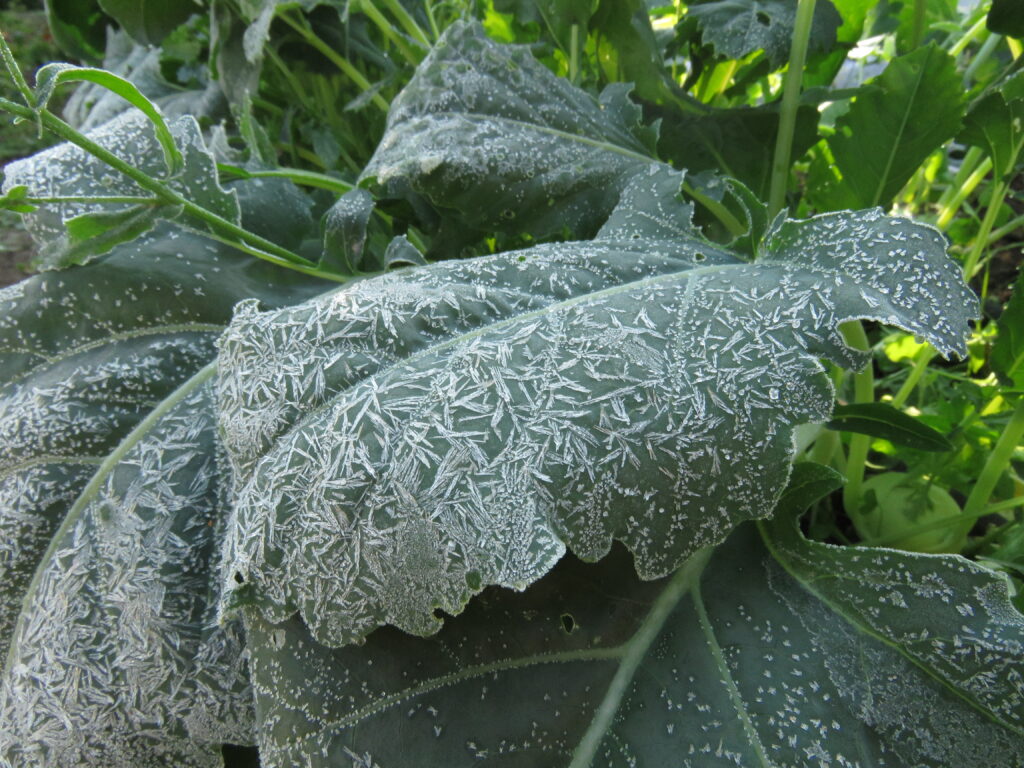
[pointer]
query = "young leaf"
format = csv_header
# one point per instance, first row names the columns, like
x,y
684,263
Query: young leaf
x,y
797,653
736,28
67,171
476,113
410,439
882,420
884,137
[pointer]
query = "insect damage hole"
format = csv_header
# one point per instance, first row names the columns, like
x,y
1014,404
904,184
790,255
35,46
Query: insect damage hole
x,y
569,624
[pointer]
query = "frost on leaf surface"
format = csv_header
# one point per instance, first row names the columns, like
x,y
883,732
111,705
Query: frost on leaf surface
x,y
745,663
406,441
86,353
67,170
117,659
480,113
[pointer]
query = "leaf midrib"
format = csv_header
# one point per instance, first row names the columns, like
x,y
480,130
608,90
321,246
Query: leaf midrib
x,y
884,178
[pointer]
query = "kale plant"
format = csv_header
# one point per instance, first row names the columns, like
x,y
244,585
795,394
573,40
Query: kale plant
x,y
507,458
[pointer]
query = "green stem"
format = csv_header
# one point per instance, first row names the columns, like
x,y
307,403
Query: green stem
x,y
825,447
373,13
924,356
115,199
917,30
335,58
14,71
970,161
685,579
574,52
980,242
790,105
986,50
863,392
977,28
962,190
996,463
719,211
407,21
295,175
1010,226
218,227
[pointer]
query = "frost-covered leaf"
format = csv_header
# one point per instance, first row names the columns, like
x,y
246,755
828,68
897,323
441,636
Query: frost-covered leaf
x,y
67,171
408,440
476,113
883,139
791,654
117,659
736,28
86,353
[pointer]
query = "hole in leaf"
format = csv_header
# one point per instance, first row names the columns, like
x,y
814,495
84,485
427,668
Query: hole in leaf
x,y
699,257
762,19
239,578
568,623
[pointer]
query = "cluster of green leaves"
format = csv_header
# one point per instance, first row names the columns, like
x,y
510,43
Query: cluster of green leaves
x,y
417,383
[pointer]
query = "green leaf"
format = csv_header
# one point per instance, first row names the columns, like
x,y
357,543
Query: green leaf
x,y
626,26
738,142
736,28
797,654
1008,351
149,21
67,171
882,140
642,387
892,424
478,114
77,27
52,75
85,356
809,483
1005,18
995,124
93,234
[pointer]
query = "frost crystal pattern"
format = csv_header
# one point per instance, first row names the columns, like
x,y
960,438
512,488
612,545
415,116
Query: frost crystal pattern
x,y
408,440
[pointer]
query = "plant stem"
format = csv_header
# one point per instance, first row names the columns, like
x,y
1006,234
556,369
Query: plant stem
x,y
338,60
720,212
790,105
574,53
1010,226
981,57
407,21
295,175
218,227
917,30
961,192
977,28
14,71
980,242
863,392
374,14
997,462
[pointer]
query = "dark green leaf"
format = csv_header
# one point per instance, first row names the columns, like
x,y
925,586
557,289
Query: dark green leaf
x,y
1008,351
627,28
344,232
738,142
996,124
796,654
78,27
478,115
93,234
883,139
892,424
809,483
736,28
149,21
641,387
1006,17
